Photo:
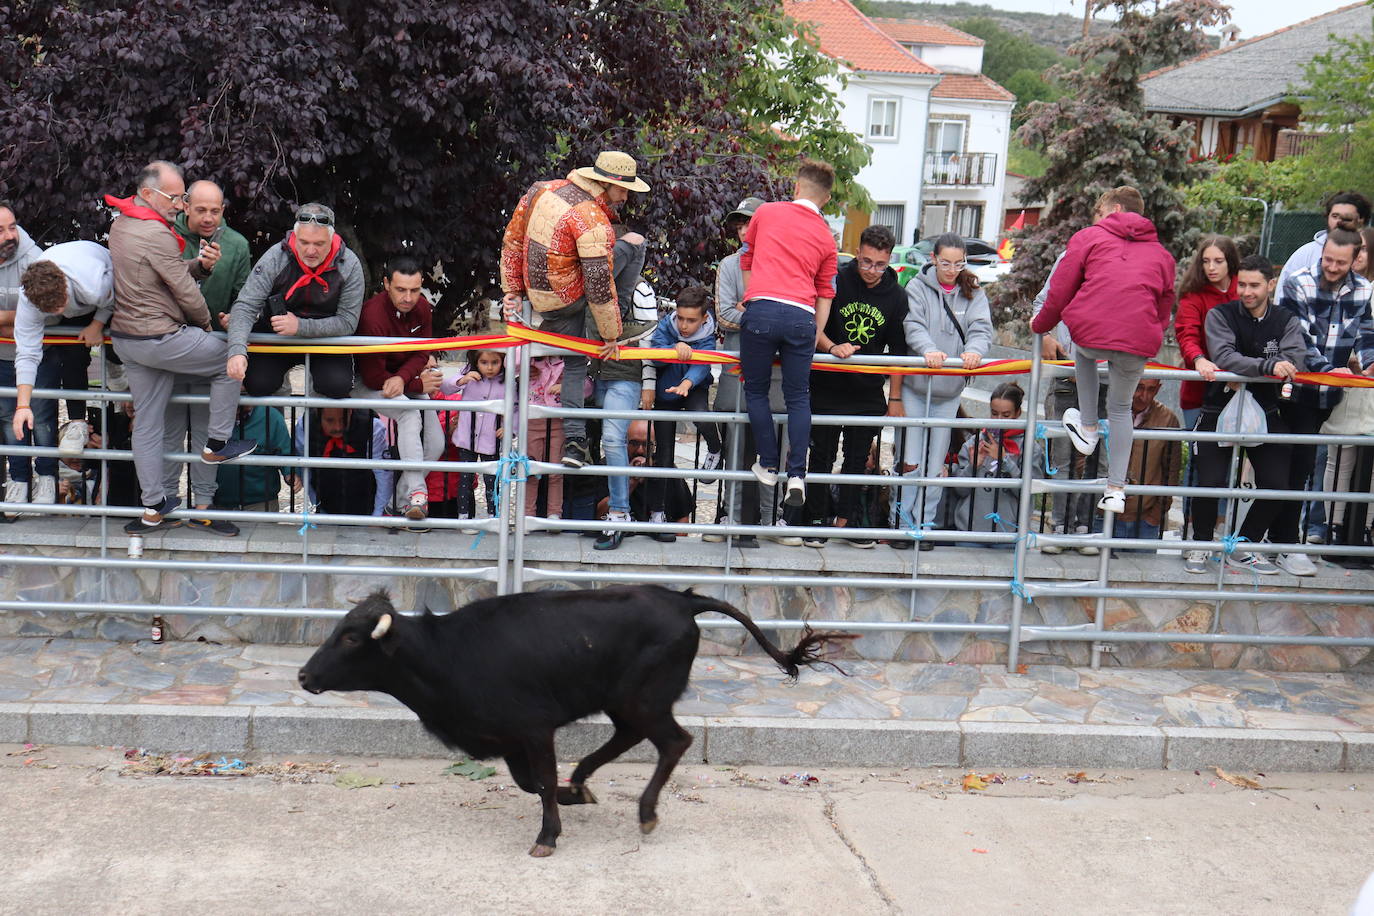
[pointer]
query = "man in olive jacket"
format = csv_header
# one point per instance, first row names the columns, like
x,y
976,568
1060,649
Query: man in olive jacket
x,y
202,225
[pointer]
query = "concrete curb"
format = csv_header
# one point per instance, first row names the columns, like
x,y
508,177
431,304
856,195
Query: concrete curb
x,y
719,740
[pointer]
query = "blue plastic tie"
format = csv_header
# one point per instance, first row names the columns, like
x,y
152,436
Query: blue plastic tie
x,y
1231,542
512,468
306,523
1043,435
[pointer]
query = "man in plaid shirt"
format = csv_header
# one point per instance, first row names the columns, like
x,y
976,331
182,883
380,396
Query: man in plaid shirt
x,y
1332,303
557,253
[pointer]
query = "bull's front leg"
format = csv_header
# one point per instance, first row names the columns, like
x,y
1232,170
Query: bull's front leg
x,y
544,767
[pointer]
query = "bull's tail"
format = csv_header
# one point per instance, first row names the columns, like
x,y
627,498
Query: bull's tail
x,y
807,651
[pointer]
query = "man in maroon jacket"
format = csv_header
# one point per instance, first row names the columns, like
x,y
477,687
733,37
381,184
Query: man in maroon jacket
x,y
1114,288
401,310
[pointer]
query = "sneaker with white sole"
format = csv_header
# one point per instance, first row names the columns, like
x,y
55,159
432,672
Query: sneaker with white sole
x,y
74,436
1087,550
1195,561
663,537
786,540
17,491
417,507
708,464
712,538
464,517
1085,440
1113,500
1053,549
44,490
1297,564
229,451
796,491
766,476
1253,562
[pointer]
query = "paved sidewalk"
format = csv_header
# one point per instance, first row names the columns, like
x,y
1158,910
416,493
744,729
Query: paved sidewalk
x,y
244,698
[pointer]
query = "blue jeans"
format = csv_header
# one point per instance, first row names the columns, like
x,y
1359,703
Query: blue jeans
x,y
771,329
617,395
44,417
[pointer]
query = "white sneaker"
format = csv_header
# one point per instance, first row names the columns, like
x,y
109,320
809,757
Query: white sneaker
x,y
1195,561
16,491
44,490
1087,550
786,540
74,436
708,464
712,538
115,379
1297,564
796,491
1053,549
1085,440
1113,500
769,478
1253,562
463,517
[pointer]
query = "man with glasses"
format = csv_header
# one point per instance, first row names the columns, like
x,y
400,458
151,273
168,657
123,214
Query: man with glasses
x,y
311,285
160,329
865,320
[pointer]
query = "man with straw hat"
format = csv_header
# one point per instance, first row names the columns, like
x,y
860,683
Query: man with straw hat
x,y
557,254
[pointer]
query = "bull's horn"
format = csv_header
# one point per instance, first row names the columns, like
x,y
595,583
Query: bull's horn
x,y
383,625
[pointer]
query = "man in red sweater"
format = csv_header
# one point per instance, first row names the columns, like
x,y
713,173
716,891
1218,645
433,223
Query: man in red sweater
x,y
1114,289
789,281
401,310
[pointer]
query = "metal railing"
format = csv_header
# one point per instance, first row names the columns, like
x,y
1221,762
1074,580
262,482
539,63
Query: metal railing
x,y
961,169
514,471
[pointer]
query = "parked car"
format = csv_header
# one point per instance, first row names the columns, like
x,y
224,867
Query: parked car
x,y
982,258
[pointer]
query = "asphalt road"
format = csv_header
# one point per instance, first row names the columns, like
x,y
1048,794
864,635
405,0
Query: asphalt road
x,y
86,831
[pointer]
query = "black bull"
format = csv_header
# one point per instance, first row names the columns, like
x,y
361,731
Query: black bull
x,y
499,676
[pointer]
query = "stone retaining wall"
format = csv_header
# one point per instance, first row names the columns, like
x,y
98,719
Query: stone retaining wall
x,y
345,548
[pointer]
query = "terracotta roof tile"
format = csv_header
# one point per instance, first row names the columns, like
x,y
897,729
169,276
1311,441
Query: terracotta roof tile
x,y
970,86
848,35
925,32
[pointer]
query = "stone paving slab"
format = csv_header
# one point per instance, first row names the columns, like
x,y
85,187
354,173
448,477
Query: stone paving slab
x,y
203,697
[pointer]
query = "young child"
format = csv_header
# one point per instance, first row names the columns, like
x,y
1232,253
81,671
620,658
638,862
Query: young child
x,y
545,436
478,435
680,386
992,453
443,486
1249,337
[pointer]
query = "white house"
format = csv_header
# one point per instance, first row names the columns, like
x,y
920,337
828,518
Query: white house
x,y
938,128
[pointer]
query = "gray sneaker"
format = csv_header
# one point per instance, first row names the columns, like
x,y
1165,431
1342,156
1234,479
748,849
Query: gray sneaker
x,y
1195,561
1297,564
1053,549
1253,562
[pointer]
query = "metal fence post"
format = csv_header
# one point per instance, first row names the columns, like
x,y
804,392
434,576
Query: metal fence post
x,y
1023,510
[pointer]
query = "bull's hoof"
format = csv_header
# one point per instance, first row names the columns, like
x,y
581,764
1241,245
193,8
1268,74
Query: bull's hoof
x,y
540,851
575,795
648,826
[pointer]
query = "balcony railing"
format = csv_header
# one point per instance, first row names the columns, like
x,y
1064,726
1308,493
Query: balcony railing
x,y
962,170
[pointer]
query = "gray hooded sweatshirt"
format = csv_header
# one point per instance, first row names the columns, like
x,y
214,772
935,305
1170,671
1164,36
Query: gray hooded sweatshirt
x,y
10,272
928,327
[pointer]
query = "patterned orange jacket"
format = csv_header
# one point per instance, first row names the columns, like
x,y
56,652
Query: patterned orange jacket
x,y
557,250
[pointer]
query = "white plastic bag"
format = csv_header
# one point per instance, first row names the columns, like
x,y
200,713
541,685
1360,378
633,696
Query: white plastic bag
x,y
1244,417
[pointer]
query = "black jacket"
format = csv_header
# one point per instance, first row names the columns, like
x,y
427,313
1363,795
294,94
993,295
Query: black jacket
x,y
872,320
1240,343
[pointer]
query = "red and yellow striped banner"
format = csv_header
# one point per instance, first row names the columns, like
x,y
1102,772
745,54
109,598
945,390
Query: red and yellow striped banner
x,y
518,335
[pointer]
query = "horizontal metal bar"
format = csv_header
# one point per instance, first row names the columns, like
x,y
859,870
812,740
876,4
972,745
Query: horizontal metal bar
x,y
899,582
1065,634
392,572
1293,595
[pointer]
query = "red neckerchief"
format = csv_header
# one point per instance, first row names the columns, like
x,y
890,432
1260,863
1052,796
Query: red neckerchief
x,y
336,446
308,274
126,206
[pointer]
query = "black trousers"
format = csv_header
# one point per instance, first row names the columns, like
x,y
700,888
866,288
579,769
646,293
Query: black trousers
x,y
825,444
1271,463
331,376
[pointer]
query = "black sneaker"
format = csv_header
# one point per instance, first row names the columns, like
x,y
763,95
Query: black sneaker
x,y
234,448
576,454
813,540
609,540
901,543
861,543
222,527
141,526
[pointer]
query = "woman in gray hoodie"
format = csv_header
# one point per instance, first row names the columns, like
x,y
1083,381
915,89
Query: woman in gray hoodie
x,y
948,320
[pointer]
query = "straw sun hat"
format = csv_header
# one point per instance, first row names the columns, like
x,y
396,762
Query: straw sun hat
x,y
613,167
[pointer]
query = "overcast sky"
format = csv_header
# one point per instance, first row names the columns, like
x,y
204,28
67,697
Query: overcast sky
x,y
1255,17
